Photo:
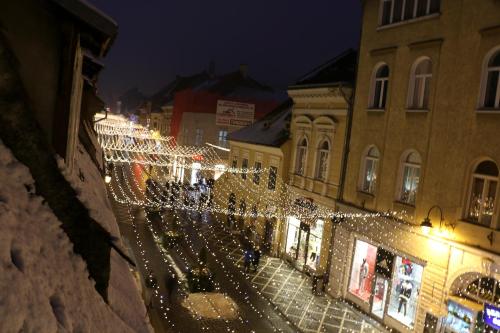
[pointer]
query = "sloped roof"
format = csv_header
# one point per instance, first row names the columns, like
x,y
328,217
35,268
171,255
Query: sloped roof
x,y
340,69
166,95
271,130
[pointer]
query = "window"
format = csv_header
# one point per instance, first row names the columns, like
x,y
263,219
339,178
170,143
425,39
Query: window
x,y
273,172
301,157
420,82
394,11
322,162
244,166
199,137
256,174
223,138
410,178
483,193
380,87
491,86
369,171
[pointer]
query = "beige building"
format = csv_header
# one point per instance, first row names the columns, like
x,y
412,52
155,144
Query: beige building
x,y
253,187
424,143
318,135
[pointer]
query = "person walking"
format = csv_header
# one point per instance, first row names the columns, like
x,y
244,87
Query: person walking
x,y
256,258
172,284
248,256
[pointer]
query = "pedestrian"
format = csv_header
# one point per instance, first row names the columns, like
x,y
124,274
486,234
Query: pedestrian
x,y
172,284
256,258
248,259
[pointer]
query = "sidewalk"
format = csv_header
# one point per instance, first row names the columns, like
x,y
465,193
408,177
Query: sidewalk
x,y
290,291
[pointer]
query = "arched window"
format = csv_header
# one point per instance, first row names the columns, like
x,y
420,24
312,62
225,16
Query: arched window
x,y
300,162
420,82
484,290
369,170
483,193
491,83
380,86
410,178
322,160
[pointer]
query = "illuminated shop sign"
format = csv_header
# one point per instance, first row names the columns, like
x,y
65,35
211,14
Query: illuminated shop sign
x,y
491,316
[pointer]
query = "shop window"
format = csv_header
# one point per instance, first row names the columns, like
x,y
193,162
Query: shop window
x,y
406,286
370,168
322,160
273,173
420,83
482,199
300,162
490,91
303,243
314,246
410,178
362,270
256,172
380,85
292,237
244,167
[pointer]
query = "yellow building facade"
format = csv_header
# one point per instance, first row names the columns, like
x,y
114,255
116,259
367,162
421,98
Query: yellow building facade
x,y
424,144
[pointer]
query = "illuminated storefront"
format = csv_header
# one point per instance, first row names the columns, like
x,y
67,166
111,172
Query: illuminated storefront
x,y
385,283
303,243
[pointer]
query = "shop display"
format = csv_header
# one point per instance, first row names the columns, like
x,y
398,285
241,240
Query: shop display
x,y
303,243
459,318
314,249
405,290
292,237
363,268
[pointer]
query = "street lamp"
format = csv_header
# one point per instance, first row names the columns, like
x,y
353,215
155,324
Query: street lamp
x,y
426,224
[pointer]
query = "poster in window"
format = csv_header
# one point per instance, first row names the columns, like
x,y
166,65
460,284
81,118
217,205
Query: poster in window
x,y
362,271
405,291
384,264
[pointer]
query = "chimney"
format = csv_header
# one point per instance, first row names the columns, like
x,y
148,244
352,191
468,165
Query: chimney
x,y
244,70
211,69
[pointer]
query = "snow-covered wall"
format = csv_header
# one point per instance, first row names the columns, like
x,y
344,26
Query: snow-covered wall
x,y
44,286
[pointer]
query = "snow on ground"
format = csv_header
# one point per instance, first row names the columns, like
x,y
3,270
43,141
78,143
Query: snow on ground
x,y
123,292
44,286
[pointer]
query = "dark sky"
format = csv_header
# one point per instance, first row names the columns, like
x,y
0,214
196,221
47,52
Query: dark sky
x,y
279,39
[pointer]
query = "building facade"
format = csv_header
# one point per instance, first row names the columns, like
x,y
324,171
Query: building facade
x,y
422,253
318,136
252,188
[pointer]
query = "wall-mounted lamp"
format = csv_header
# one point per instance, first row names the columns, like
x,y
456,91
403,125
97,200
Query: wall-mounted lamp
x,y
107,179
426,224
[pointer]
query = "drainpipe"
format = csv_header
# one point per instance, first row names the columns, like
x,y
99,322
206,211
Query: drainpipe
x,y
350,106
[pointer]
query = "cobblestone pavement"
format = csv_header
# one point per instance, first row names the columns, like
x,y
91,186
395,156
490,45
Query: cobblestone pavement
x,y
290,291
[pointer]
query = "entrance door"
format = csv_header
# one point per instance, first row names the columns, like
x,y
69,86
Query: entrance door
x,y
380,289
268,235
303,246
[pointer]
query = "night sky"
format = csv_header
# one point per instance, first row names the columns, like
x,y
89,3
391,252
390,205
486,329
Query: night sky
x,y
279,39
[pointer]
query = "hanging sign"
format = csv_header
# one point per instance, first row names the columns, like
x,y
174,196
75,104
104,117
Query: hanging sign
x,y
491,316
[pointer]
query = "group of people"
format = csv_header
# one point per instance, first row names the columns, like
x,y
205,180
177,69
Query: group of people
x,y
251,258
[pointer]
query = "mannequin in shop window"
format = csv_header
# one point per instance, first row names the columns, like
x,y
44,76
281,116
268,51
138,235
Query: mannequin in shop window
x,y
404,295
363,273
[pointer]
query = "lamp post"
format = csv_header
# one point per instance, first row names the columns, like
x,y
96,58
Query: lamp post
x,y
426,224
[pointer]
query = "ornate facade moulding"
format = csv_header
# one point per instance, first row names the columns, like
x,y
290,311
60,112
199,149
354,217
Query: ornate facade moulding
x,y
490,31
383,50
430,43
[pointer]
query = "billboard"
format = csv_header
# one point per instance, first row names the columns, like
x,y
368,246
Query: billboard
x,y
235,114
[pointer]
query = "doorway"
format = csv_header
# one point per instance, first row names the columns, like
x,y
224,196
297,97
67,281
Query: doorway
x,y
380,290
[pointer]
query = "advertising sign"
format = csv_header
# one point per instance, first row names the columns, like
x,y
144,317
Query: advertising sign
x,y
235,114
491,316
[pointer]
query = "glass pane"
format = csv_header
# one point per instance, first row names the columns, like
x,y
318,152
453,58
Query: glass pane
x,y
486,288
292,239
427,88
377,92
495,60
417,91
491,89
272,178
409,8
487,168
384,94
422,7
386,12
313,252
489,204
476,199
379,297
363,268
435,6
398,11
302,248
383,72
424,67
404,292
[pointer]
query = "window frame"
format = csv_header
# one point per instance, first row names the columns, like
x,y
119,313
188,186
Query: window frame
x,y
364,169
223,138
269,182
244,167
414,11
487,180
425,84
256,174
484,80
303,161
413,167
384,88
321,173
198,139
